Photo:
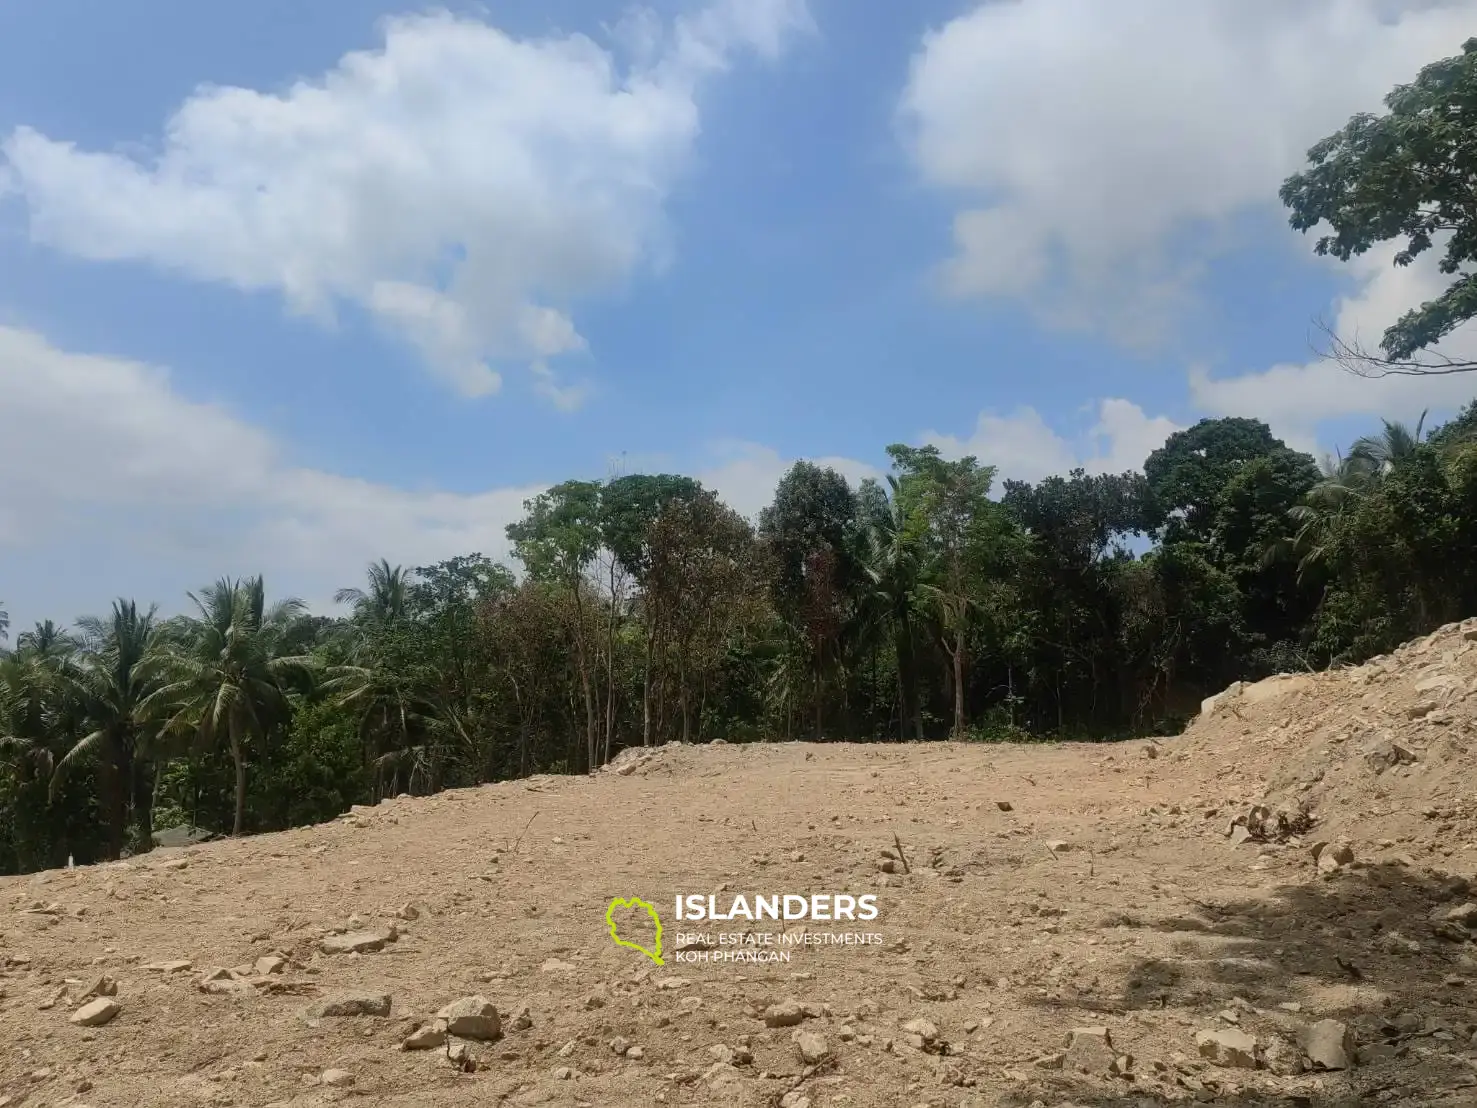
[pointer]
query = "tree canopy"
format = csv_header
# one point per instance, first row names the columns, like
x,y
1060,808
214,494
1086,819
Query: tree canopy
x,y
1407,176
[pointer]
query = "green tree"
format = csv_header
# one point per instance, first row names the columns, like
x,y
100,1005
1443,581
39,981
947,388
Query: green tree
x,y
558,541
1392,447
1405,175
629,509
109,682
230,674
384,601
812,536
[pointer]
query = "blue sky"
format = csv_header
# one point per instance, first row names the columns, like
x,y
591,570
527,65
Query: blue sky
x,y
287,287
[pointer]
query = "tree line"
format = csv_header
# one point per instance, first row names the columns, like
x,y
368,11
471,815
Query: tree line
x,y
923,606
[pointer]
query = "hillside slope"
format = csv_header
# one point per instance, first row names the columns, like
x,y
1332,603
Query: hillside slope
x,y
1040,889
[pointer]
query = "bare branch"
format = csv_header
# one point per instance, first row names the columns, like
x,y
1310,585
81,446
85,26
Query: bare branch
x,y
1354,357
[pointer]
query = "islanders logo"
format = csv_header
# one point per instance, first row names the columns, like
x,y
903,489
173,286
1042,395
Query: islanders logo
x,y
635,902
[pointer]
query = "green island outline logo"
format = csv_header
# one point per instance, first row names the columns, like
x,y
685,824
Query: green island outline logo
x,y
635,902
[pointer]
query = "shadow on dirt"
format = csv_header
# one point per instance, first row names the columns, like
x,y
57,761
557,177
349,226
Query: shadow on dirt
x,y
1366,947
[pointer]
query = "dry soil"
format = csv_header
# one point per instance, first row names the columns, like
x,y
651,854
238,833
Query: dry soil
x,y
1041,895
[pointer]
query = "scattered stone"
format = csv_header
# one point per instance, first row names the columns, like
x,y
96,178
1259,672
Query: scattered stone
x,y
1089,1050
813,1047
177,966
920,1034
355,942
352,1004
635,1054
102,986
1331,857
471,1017
564,1073
1229,1048
96,1012
1328,1044
1386,754
787,1013
619,1045
1463,915
428,1036
269,964
521,1020
1003,805
409,912
1058,846
554,965
794,1099
337,1079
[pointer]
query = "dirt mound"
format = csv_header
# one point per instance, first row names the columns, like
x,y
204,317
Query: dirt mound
x,y
1211,919
1380,754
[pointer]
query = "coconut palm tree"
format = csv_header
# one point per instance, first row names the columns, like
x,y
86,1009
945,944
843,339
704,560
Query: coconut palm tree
x,y
47,640
107,682
4,623
1391,447
1345,480
385,600
230,676
893,601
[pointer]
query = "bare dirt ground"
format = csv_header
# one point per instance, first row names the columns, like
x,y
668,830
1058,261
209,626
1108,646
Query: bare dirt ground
x,y
1114,893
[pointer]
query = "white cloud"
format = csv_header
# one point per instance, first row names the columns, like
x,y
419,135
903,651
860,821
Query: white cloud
x,y
1022,447
112,482
463,186
1098,150
745,474
1295,398
101,453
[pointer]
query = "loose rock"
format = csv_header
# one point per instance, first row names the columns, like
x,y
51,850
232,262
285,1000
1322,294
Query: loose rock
x,y
355,942
1229,1048
1328,1044
426,1037
96,1012
352,1004
471,1017
787,1013
1089,1050
813,1047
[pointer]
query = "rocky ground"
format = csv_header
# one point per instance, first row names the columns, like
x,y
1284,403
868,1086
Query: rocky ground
x,y
1270,909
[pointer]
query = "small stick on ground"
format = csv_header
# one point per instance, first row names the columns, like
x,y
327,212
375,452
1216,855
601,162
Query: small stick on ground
x,y
901,857
526,826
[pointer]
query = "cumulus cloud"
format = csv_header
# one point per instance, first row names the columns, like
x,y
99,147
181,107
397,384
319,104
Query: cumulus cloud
x,y
1295,397
1023,447
107,466
745,474
1098,151
463,186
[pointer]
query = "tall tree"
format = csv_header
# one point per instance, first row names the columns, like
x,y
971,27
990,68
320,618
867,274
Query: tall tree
x,y
110,681
629,509
230,674
558,541
1408,175
699,575
812,534
384,600
964,537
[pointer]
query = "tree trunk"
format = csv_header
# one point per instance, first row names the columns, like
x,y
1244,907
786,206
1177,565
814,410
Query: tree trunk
x,y
646,689
112,787
143,804
959,684
238,758
610,667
